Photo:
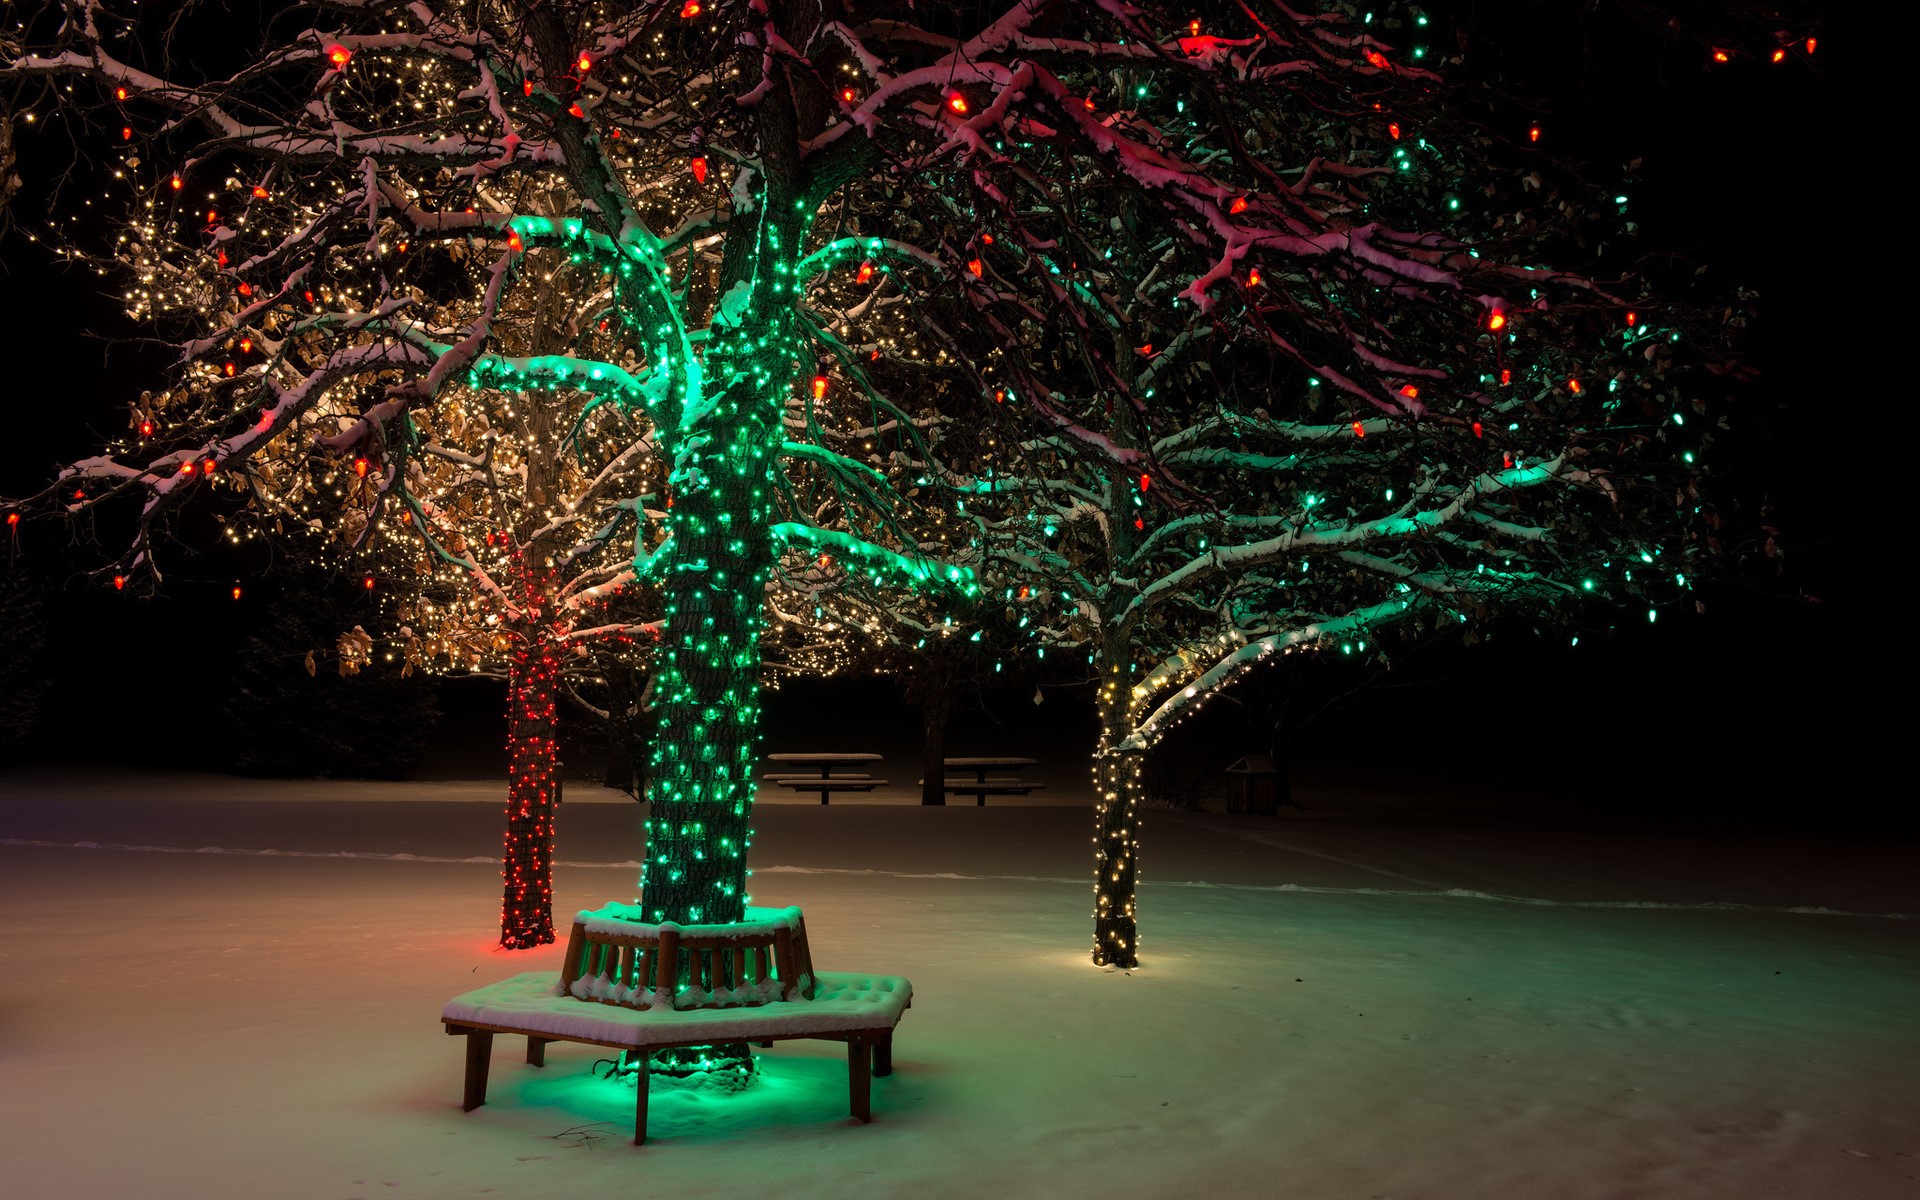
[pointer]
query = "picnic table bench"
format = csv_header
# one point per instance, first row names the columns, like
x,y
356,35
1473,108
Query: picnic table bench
x,y
642,987
982,784
822,775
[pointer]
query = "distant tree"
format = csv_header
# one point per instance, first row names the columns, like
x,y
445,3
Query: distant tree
x,y
310,697
25,669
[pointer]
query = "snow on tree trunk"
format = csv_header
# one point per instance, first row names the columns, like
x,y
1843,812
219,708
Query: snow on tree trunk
x,y
533,789
1116,837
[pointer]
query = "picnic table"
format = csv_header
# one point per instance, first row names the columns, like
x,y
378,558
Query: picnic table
x,y
982,784
823,774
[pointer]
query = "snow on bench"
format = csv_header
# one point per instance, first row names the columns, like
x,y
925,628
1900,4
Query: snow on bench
x,y
636,986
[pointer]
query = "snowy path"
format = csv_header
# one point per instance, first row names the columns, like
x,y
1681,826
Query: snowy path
x,y
241,1024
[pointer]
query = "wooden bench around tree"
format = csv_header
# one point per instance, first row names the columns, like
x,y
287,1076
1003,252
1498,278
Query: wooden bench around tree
x,y
640,988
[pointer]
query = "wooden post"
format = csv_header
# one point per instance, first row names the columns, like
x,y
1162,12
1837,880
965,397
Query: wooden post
x,y
479,1054
640,1099
537,1052
883,1055
859,1080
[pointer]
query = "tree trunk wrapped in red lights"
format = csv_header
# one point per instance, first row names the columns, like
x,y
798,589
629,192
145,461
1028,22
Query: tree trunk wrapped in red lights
x,y
533,790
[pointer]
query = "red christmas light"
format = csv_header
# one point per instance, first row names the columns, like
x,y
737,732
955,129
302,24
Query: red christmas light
x,y
1630,319
1239,205
1376,60
819,387
126,133
119,93
1506,377
13,519
849,95
1811,43
1478,430
146,429
339,56
699,168
1721,56
513,243
119,583
690,10
864,274
1253,277
1146,481
178,183
999,395
360,467
1496,321
369,583
1409,391
246,289
957,103
576,111
259,193
975,267
585,64
526,87
206,466
1393,130
1533,134
236,591
1573,385
228,368
1359,430
1779,56
186,468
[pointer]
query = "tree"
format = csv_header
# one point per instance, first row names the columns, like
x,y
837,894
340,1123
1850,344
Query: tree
x,y
1268,302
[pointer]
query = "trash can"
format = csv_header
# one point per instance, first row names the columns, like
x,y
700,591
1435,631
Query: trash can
x,y
1256,787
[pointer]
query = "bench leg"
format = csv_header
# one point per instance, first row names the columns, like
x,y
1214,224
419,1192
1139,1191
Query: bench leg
x,y
537,1051
860,1081
883,1056
980,798
640,1099
479,1054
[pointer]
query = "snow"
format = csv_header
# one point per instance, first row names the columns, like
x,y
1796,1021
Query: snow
x,y
841,1002
1369,1001
624,920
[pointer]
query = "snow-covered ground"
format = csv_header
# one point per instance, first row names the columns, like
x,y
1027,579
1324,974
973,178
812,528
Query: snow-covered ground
x,y
1336,1005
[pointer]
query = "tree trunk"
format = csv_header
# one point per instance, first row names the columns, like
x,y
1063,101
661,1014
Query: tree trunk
x,y
708,708
936,708
526,911
1116,838
1277,750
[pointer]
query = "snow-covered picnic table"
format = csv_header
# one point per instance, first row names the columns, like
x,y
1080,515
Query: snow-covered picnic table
x,y
824,773
982,784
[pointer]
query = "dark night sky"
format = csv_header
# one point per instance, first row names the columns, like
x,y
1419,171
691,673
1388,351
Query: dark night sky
x,y
1751,704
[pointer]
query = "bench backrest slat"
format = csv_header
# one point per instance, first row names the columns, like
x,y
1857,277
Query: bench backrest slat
x,y
760,964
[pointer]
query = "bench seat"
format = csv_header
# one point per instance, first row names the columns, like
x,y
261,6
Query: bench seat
x,y
530,1003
